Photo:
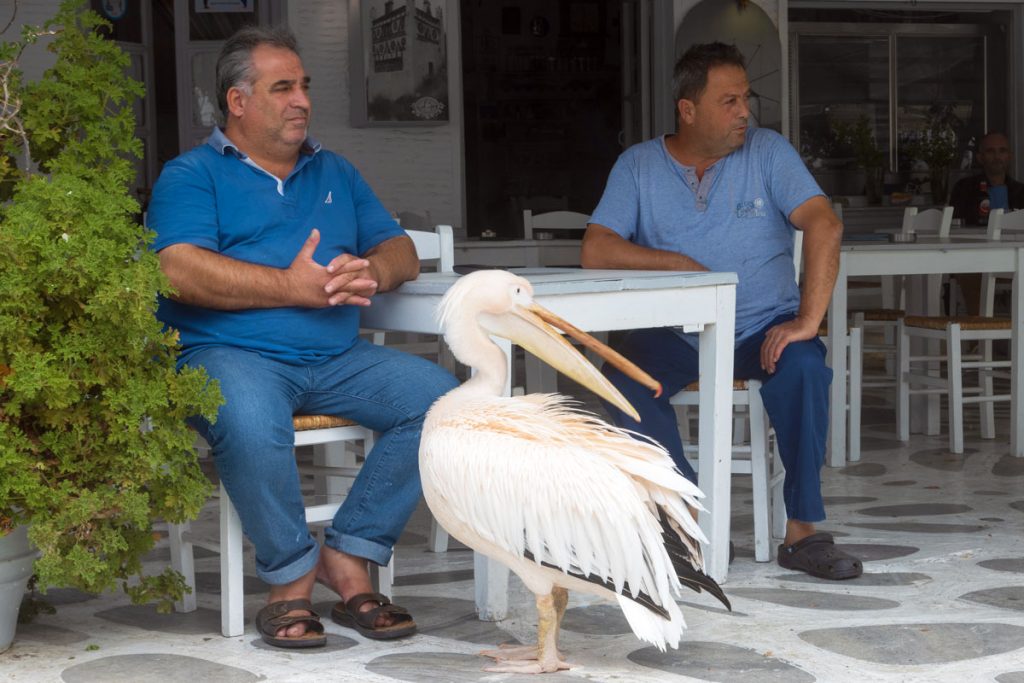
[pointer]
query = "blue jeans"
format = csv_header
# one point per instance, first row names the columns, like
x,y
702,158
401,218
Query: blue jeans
x,y
252,441
795,398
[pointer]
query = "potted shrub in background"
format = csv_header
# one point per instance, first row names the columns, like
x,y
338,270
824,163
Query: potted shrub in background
x,y
859,138
93,442
936,147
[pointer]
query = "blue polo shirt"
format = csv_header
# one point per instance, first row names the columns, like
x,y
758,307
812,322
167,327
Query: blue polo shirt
x,y
216,198
735,219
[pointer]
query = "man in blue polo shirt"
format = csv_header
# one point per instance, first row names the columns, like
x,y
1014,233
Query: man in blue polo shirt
x,y
272,245
719,195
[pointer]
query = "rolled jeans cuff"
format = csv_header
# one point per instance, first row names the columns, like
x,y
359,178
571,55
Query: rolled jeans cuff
x,y
360,547
294,571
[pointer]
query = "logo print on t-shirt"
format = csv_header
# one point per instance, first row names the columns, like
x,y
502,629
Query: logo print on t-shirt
x,y
329,200
751,209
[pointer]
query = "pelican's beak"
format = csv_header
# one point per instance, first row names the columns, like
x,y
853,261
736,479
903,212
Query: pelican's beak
x,y
535,328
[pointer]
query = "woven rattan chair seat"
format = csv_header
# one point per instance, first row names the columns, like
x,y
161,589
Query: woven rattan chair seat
x,y
304,423
966,322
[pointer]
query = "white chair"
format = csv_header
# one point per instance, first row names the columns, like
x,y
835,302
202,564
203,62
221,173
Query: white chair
x,y
884,321
552,220
334,468
328,436
953,332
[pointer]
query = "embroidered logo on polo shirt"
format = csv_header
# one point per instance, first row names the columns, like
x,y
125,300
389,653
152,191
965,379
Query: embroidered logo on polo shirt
x,y
330,199
751,209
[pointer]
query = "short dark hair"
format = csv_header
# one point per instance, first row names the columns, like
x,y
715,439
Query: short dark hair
x,y
234,65
690,76
992,133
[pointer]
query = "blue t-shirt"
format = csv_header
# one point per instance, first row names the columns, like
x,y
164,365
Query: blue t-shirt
x,y
216,198
735,219
998,197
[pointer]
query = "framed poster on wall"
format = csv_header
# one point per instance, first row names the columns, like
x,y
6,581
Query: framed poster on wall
x,y
398,61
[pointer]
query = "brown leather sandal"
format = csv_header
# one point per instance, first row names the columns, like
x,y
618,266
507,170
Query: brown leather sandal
x,y
347,614
273,617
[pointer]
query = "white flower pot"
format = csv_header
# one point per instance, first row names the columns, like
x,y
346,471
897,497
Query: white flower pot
x,y
16,559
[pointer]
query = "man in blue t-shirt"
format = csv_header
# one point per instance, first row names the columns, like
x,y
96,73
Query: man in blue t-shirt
x,y
719,195
273,245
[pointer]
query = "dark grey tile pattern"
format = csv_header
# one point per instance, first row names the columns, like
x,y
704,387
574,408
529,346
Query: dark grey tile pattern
x,y
864,469
1011,677
1012,564
916,644
899,482
847,500
866,579
1007,597
209,582
873,552
434,578
816,600
202,621
50,634
941,459
915,510
921,527
720,662
1009,466
154,668
600,619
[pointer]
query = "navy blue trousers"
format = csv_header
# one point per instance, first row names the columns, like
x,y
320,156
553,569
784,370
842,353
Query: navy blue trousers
x,y
795,398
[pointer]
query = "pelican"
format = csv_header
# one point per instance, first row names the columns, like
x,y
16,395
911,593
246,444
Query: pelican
x,y
565,500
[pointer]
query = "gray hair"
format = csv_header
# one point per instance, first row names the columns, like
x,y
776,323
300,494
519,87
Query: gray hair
x,y
690,76
234,65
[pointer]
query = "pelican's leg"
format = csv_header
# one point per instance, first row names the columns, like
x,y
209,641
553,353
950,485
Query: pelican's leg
x,y
545,658
507,652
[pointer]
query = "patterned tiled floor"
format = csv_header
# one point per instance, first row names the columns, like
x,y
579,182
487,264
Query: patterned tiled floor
x,y
942,599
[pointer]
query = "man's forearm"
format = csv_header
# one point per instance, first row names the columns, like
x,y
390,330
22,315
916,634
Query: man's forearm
x,y
603,248
821,259
205,278
393,262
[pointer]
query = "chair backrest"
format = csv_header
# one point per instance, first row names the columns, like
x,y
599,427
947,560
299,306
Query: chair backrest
x,y
553,220
1000,222
439,244
414,221
933,222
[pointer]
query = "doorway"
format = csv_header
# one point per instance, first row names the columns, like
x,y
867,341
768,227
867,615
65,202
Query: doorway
x,y
543,92
173,46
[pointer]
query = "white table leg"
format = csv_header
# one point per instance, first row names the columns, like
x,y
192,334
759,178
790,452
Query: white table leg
x,y
1017,356
715,447
490,578
837,350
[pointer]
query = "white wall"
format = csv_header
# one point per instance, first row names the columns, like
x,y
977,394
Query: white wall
x,y
410,169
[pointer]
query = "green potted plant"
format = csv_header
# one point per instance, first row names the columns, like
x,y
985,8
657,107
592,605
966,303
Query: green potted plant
x,y
859,138
936,146
93,442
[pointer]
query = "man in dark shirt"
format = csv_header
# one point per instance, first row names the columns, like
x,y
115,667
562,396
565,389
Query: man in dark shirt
x,y
975,196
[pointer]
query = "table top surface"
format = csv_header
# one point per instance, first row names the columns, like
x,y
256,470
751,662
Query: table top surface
x,y
580,280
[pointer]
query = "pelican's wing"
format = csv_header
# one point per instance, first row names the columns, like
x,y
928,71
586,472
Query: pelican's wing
x,y
539,479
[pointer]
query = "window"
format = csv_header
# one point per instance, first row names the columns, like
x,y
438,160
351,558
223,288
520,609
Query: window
x,y
878,93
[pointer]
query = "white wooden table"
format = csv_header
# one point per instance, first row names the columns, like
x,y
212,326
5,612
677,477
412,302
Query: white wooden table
x,y
932,257
601,300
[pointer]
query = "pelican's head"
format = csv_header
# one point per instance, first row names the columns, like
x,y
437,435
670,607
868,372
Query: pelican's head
x,y
500,303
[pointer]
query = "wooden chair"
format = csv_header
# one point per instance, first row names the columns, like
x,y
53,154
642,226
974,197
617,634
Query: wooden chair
x,y
953,331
